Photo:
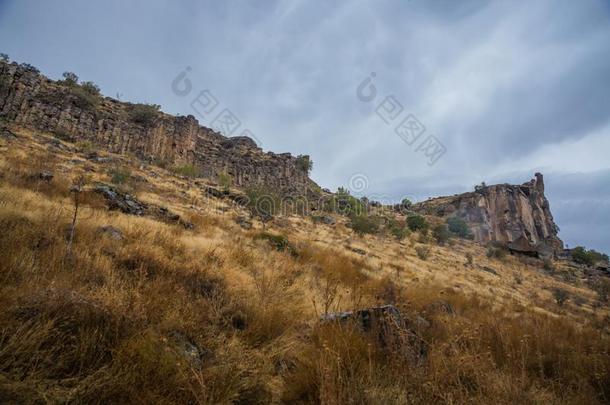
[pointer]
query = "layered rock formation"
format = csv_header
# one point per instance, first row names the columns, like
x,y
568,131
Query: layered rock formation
x,y
29,99
517,216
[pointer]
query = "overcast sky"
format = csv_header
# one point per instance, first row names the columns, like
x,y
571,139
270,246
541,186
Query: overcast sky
x,y
506,88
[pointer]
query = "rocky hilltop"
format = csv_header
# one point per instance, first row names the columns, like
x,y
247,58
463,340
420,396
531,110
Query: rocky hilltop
x,y
29,99
517,216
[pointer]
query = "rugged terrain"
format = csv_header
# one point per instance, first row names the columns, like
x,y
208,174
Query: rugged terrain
x,y
126,280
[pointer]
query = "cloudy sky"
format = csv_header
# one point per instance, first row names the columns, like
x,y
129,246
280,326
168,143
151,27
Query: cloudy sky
x,y
504,88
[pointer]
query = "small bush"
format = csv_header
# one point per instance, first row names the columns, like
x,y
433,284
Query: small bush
x,y
362,224
187,170
120,176
587,257
496,252
417,223
144,114
441,234
459,227
398,230
279,242
548,266
469,259
263,202
4,57
225,180
304,163
63,135
423,252
70,79
560,295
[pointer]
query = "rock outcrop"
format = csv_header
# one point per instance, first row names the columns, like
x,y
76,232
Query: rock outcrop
x,y
517,216
29,99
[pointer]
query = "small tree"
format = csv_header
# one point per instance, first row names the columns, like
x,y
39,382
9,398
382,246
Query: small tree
x,y
304,163
406,204
441,234
459,227
70,79
4,57
417,223
560,295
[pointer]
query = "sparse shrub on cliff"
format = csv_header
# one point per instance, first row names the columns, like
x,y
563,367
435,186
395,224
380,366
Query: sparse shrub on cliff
x,y
345,204
279,242
362,224
417,223
70,79
187,170
144,114
63,135
304,163
459,227
85,95
4,57
263,202
602,287
225,180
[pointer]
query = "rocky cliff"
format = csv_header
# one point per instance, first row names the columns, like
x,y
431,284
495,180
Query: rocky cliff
x,y
29,99
517,216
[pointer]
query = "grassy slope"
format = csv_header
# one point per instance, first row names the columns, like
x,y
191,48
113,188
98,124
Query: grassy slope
x,y
216,315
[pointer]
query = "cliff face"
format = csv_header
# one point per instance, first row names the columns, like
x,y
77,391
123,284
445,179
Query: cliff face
x,y
517,216
29,99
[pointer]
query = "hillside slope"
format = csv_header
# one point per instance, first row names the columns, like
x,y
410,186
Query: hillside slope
x,y
170,294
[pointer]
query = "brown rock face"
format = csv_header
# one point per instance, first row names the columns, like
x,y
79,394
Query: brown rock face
x,y
515,215
29,99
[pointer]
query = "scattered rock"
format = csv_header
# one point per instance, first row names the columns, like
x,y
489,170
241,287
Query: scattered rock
x,y
356,250
45,176
244,222
111,232
121,201
324,219
187,349
7,134
489,270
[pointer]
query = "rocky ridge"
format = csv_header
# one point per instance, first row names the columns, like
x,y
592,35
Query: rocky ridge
x,y
29,99
517,216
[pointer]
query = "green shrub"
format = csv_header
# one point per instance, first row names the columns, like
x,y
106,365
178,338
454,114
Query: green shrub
x,y
496,252
459,227
417,223
263,202
279,242
63,135
4,57
362,224
120,175
187,170
144,114
304,163
397,230
441,234
587,257
469,259
225,180
70,79
345,204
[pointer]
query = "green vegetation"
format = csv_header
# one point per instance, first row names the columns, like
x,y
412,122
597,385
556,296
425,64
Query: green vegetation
x,y
225,180
344,203
459,227
84,95
587,257
4,57
63,135
120,175
187,170
441,233
144,114
362,224
263,202
304,163
496,252
417,223
279,242
398,230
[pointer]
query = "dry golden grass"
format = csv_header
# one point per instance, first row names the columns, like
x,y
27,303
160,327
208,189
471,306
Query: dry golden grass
x,y
218,315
